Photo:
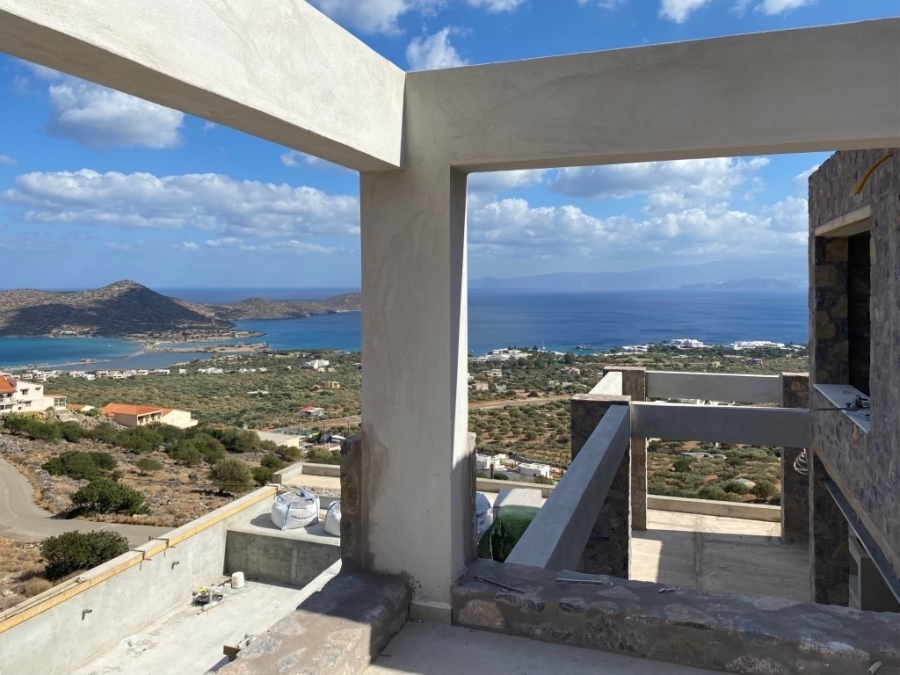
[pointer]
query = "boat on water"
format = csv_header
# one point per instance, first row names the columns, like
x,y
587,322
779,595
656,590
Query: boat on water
x,y
583,348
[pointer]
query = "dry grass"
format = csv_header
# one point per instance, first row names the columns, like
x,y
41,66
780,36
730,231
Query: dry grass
x,y
21,572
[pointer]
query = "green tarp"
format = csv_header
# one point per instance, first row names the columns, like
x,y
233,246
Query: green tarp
x,y
509,526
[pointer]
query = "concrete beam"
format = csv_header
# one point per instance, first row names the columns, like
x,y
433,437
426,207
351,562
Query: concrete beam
x,y
556,537
277,69
779,92
714,386
610,384
721,424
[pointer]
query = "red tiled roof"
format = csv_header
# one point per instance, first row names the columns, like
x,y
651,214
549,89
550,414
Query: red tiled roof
x,y
128,409
6,387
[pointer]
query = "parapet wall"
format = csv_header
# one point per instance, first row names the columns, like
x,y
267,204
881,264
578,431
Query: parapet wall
x,y
70,624
850,183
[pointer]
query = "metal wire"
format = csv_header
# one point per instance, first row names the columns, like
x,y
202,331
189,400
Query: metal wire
x,y
801,464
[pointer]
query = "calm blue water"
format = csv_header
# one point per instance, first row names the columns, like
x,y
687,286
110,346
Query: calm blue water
x,y
558,321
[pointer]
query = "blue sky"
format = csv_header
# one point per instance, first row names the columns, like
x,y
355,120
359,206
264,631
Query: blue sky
x,y
97,186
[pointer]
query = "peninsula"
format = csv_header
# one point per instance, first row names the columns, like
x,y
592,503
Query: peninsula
x,y
129,310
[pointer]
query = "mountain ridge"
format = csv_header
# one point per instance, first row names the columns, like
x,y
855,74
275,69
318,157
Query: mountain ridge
x,y
128,309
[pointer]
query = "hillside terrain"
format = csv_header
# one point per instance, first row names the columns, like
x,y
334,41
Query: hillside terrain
x,y
128,309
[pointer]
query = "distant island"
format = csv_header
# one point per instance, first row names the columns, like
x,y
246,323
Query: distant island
x,y
127,309
743,285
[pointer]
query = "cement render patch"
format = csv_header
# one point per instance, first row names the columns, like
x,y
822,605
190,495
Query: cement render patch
x,y
431,649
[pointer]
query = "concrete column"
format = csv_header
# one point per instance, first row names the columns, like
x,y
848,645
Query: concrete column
x,y
608,550
829,548
417,475
634,384
794,486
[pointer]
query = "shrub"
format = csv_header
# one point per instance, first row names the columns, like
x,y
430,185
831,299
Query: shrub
x,y
32,587
148,465
716,493
322,456
75,551
105,433
764,489
80,465
682,464
262,475
232,475
107,496
272,462
501,476
541,480
236,440
211,449
72,431
736,488
140,439
184,452
290,454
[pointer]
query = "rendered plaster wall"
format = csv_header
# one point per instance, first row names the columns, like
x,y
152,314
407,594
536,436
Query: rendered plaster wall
x,y
278,69
63,637
866,466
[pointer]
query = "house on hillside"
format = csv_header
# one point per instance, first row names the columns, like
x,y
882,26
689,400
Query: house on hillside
x,y
21,395
312,411
129,415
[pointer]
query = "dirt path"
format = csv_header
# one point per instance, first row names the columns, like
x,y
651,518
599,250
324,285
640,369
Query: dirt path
x,y
21,518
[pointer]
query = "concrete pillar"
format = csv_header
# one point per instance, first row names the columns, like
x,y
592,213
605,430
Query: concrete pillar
x,y
794,486
608,550
634,384
417,476
829,548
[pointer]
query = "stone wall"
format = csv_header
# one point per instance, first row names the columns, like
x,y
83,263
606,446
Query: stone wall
x,y
734,634
866,469
794,485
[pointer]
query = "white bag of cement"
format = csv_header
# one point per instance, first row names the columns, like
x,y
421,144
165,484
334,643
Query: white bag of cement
x,y
333,519
295,509
484,515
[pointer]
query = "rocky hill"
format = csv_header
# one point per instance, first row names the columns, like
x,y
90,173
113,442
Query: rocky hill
x,y
128,309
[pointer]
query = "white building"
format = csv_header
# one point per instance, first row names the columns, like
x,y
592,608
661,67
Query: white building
x,y
757,344
317,364
487,462
21,395
687,343
533,469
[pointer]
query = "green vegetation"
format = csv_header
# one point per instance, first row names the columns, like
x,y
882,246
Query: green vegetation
x,y
80,465
322,456
148,465
232,475
107,496
76,551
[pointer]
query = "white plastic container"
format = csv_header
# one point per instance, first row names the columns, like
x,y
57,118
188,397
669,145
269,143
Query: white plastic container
x,y
237,580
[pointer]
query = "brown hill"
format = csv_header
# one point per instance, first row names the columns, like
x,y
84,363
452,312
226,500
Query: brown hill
x,y
128,309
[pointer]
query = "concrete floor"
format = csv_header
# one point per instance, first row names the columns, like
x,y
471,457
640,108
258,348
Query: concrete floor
x,y
720,554
432,649
188,643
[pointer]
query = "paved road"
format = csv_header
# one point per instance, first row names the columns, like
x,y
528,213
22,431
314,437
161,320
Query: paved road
x,y
21,518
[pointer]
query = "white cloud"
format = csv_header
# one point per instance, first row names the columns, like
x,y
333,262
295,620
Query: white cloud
x,y
512,229
6,160
802,178
679,10
498,181
372,16
209,202
496,5
292,246
97,117
294,158
675,184
603,4
433,51
772,7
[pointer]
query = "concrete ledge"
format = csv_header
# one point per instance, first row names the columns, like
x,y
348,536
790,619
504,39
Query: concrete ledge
x,y
294,557
340,629
492,485
736,634
707,507
714,386
291,472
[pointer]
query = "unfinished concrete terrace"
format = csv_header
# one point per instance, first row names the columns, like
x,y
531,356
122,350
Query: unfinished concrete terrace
x,y
407,536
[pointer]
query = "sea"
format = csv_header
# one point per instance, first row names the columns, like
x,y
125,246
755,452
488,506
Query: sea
x,y
553,321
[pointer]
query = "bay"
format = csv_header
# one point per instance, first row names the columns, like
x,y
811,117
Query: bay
x,y
556,321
